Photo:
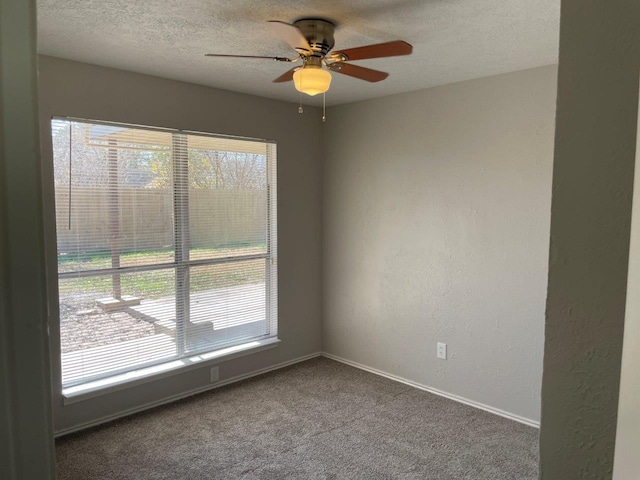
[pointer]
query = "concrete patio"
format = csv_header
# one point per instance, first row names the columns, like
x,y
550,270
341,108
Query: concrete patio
x,y
217,316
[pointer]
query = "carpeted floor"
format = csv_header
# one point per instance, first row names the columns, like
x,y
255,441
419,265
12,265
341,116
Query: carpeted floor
x,y
315,420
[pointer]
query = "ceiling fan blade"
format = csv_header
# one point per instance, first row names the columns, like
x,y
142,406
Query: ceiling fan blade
x,y
286,76
277,59
388,49
290,34
356,71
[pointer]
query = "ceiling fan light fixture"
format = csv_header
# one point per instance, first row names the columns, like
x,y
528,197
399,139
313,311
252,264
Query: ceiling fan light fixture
x,y
312,80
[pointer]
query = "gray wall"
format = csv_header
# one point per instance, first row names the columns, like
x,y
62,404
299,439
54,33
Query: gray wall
x,y
26,440
436,228
627,461
590,229
85,91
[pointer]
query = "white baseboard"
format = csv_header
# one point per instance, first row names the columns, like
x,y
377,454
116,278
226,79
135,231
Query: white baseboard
x,y
435,391
180,396
173,398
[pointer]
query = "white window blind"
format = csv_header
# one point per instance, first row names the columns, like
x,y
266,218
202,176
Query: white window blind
x,y
167,245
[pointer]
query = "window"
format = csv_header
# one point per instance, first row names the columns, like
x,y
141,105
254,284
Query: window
x,y
166,245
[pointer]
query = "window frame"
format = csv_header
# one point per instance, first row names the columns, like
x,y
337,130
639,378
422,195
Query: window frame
x,y
184,359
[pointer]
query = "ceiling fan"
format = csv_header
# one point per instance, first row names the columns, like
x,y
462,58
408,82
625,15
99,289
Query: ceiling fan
x,y
312,39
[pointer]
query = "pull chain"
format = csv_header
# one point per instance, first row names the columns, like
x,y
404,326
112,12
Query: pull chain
x,y
300,109
324,115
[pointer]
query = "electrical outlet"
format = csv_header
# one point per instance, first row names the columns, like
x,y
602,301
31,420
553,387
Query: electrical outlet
x,y
214,374
442,351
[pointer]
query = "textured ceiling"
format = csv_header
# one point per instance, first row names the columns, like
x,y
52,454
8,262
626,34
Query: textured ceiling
x,y
453,40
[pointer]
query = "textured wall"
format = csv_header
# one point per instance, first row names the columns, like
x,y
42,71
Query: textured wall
x,y
590,227
436,224
85,91
26,444
627,461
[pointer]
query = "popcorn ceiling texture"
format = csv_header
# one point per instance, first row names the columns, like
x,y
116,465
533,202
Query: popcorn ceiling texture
x,y
452,41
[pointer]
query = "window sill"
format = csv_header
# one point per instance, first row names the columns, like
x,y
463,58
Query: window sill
x,y
137,377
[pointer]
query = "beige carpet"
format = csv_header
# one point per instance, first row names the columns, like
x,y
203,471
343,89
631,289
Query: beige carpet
x,y
315,420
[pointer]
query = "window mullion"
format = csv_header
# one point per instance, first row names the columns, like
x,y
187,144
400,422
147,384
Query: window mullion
x,y
114,217
181,229
267,297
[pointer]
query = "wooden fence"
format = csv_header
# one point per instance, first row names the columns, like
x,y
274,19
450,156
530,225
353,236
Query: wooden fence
x,y
145,219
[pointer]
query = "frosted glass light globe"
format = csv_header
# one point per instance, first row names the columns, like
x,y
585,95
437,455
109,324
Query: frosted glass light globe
x,y
312,80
